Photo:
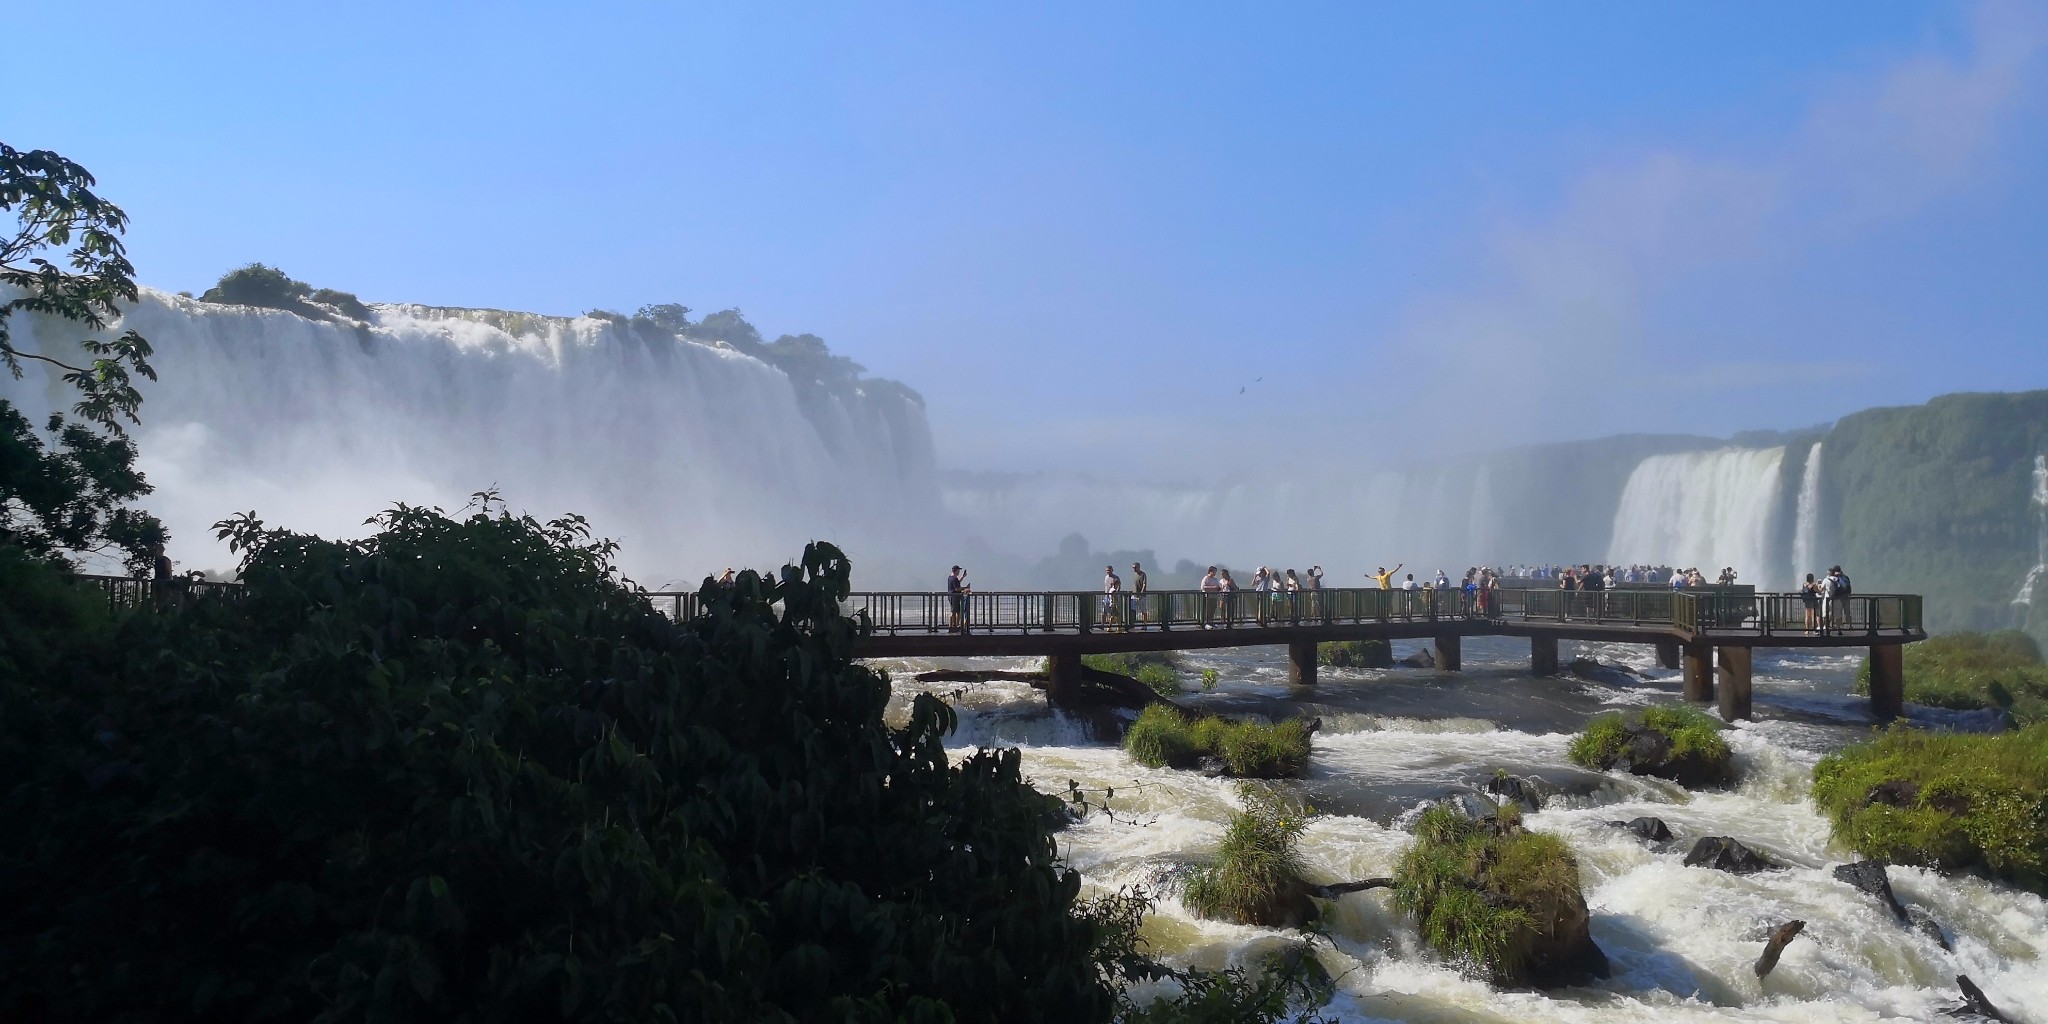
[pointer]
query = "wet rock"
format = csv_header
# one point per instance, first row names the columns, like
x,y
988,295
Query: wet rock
x,y
1652,829
1925,924
1471,805
1211,766
1896,793
1975,1005
1869,877
1530,792
1724,854
1420,659
1781,935
1593,670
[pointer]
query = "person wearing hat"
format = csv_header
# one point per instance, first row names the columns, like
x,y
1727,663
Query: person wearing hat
x,y
956,596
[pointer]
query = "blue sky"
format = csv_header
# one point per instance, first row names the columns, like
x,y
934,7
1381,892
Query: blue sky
x,y
1080,229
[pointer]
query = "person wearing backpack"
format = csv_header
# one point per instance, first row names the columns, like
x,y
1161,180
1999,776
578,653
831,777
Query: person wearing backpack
x,y
1838,592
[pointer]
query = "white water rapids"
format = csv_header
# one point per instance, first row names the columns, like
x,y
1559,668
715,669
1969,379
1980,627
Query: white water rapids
x,y
693,456
1681,940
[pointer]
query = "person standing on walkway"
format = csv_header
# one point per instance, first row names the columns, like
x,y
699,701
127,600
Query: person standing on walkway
x,y
1385,577
1314,586
1292,587
956,596
1139,588
1836,599
1212,597
1809,596
1262,584
1229,600
1112,590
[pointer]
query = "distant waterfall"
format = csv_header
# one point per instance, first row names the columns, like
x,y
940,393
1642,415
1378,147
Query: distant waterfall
x,y
694,456
1705,509
2025,597
1806,530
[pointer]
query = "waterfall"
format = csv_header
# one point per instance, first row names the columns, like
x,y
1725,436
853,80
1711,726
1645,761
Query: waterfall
x,y
1806,529
693,456
1706,509
2040,505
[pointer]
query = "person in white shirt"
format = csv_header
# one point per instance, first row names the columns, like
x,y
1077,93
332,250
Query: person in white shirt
x,y
1111,586
1212,596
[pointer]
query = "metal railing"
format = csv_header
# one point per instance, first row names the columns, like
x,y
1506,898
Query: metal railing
x,y
133,592
1163,610
1796,614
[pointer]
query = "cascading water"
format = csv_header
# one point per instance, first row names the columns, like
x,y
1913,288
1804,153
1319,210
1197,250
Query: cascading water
x,y
694,456
2025,598
1704,509
1806,528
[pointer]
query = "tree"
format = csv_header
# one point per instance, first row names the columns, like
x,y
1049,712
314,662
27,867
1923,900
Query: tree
x,y
259,284
69,495
667,316
52,207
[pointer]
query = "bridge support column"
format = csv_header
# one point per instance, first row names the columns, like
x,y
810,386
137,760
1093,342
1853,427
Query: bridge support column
x,y
1301,663
1734,683
1887,681
1543,655
1450,653
1698,662
1065,677
1667,654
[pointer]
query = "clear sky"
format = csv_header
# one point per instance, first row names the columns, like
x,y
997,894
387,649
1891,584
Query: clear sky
x,y
1080,229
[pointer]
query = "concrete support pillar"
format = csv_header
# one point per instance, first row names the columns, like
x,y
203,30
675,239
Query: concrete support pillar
x,y
1065,677
1301,663
1734,683
1667,654
1543,655
1698,662
1450,653
1887,681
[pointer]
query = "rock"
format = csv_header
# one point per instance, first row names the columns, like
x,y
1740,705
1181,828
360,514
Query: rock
x,y
1471,805
1725,854
1593,671
1529,792
1420,659
1925,924
1773,949
1869,877
1896,793
1974,1002
1652,829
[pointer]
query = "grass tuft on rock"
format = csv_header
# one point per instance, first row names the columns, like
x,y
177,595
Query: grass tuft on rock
x,y
1681,743
1256,878
1969,671
1501,901
1944,800
1163,737
1356,654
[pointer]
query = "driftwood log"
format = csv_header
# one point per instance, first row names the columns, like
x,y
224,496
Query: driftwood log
x,y
1975,1004
1331,892
1098,688
1776,947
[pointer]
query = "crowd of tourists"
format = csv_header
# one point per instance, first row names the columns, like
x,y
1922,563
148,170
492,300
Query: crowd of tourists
x,y
1289,595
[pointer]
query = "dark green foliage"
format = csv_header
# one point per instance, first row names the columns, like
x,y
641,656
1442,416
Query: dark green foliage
x,y
668,316
1493,897
270,288
1944,800
456,771
1286,978
1965,671
1256,877
1356,654
61,253
1679,743
67,492
1934,500
1163,737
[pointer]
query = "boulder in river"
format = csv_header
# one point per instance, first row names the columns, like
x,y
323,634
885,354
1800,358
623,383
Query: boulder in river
x,y
1652,829
1680,744
1527,927
1420,659
1593,670
1869,876
1530,792
1725,854
1925,924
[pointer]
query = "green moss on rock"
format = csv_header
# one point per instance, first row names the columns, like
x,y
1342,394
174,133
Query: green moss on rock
x,y
1502,902
1256,878
1163,737
1356,654
1968,671
1681,744
1944,800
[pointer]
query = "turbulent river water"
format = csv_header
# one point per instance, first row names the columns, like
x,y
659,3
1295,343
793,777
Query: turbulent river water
x,y
1681,940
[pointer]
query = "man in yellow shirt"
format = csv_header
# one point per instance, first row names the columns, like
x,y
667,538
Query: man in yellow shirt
x,y
1385,577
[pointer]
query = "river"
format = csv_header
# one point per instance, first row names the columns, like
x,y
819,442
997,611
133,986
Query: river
x,y
1681,940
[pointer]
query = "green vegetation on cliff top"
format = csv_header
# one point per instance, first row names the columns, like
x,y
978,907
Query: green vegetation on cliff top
x,y
1944,800
1966,671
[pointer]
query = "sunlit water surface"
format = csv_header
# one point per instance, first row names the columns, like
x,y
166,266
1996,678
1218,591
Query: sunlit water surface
x,y
1682,941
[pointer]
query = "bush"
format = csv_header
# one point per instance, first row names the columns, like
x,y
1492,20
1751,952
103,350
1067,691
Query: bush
x,y
1679,743
1499,900
458,770
1256,878
1968,671
1163,737
1944,800
1163,681
271,288
1356,654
